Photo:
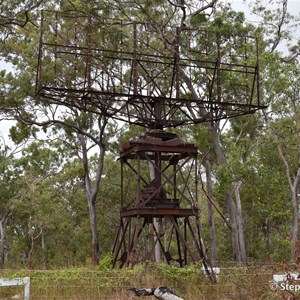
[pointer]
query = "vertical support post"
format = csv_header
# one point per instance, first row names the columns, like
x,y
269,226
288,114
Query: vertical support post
x,y
129,235
201,248
134,60
131,257
178,242
40,60
157,169
157,112
177,74
175,181
89,54
176,227
27,288
200,245
122,183
138,196
196,180
218,66
118,241
55,47
185,238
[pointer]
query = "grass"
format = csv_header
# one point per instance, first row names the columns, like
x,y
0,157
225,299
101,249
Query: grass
x,y
104,283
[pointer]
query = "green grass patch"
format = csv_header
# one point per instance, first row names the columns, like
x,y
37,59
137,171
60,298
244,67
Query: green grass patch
x,y
102,282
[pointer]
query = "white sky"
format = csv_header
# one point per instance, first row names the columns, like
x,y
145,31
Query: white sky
x,y
293,5
293,8
239,5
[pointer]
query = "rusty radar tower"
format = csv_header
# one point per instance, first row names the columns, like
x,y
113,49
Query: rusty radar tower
x,y
158,78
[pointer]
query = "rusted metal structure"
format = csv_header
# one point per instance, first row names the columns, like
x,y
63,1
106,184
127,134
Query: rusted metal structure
x,y
169,195
155,77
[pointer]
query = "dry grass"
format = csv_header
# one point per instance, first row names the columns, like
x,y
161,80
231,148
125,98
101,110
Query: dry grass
x,y
85,283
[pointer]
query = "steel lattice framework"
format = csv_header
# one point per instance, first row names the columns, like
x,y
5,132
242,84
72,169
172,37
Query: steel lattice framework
x,y
156,77
145,75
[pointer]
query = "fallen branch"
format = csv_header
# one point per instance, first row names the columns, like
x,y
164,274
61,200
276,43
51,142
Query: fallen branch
x,y
162,293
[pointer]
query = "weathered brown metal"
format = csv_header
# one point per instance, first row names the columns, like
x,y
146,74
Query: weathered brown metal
x,y
159,212
125,70
124,73
172,160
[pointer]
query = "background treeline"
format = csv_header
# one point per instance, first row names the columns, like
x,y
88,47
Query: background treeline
x,y
59,179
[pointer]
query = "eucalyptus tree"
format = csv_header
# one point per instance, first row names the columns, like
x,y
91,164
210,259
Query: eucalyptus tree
x,y
83,132
14,14
185,15
31,211
280,65
86,130
266,194
283,123
241,142
9,188
48,215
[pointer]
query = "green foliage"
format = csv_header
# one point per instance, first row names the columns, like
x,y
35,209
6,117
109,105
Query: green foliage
x,y
105,263
21,132
189,283
43,190
198,19
282,246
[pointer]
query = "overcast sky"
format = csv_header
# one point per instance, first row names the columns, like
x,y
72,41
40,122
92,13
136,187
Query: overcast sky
x,y
293,7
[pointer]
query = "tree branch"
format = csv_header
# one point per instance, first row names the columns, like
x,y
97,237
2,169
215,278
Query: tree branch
x,y
279,26
55,121
205,7
212,202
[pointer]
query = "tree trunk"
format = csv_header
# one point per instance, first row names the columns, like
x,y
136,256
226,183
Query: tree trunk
x,y
240,222
295,229
293,180
2,241
94,231
31,235
157,252
293,185
92,189
229,200
233,224
44,252
3,224
211,221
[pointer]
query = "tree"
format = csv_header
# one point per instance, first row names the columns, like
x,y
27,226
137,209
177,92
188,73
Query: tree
x,y
82,131
282,121
49,218
281,93
87,132
79,132
185,14
14,15
8,188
